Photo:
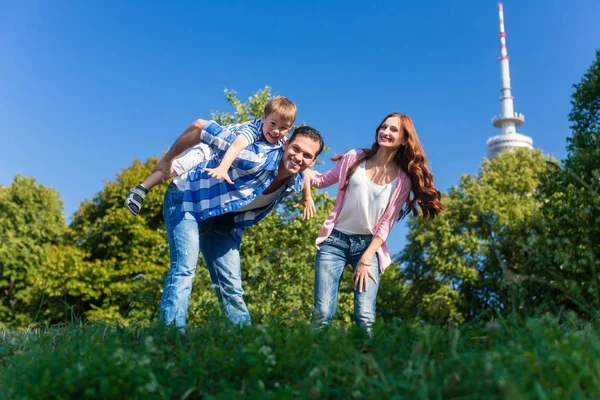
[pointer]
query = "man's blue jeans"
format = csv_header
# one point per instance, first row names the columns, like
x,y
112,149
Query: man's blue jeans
x,y
220,252
337,251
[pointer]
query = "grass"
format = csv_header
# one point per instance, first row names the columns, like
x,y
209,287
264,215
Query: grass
x,y
533,358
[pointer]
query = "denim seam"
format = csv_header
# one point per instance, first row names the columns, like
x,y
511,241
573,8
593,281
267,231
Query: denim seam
x,y
174,263
220,291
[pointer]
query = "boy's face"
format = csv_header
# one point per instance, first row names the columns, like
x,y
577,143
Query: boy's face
x,y
275,128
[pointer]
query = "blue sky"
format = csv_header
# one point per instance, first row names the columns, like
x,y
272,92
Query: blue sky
x,y
86,87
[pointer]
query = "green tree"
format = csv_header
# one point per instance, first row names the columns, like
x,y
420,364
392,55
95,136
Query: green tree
x,y
583,160
565,249
278,254
463,262
31,222
115,265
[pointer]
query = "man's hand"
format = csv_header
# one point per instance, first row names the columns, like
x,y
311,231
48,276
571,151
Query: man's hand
x,y
361,275
164,166
219,173
309,207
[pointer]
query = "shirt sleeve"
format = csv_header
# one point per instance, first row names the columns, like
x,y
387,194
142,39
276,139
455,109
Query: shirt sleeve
x,y
250,130
332,176
326,179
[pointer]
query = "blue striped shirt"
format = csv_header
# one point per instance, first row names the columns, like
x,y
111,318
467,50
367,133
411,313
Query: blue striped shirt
x,y
253,171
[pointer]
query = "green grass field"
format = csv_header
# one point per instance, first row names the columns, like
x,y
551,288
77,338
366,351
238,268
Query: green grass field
x,y
536,358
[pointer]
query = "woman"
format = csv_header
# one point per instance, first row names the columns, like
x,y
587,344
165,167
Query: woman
x,y
374,192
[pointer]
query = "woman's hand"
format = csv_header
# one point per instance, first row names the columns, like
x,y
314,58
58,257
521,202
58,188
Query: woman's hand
x,y
361,275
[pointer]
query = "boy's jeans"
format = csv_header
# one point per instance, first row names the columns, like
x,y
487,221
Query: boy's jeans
x,y
338,250
220,252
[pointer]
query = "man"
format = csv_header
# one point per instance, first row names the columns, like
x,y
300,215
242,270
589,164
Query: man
x,y
219,235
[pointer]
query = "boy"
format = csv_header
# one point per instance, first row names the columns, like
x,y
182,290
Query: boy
x,y
269,132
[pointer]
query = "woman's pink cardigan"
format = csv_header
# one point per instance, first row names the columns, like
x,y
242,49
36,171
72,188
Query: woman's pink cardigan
x,y
387,220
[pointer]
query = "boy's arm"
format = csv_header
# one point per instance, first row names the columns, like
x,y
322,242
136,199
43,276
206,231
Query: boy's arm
x,y
187,139
231,154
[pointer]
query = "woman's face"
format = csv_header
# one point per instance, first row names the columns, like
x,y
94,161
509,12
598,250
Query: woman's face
x,y
389,134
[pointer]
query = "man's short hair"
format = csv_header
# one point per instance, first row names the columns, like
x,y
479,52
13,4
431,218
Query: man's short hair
x,y
282,107
310,133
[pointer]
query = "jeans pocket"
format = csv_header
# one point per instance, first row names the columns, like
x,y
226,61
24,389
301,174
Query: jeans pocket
x,y
329,241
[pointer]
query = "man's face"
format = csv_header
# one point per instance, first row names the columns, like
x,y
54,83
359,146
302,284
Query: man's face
x,y
299,154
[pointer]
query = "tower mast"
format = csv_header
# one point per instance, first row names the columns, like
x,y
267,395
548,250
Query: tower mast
x,y
508,120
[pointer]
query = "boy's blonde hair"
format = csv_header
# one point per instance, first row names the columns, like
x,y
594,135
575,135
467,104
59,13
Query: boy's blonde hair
x,y
282,107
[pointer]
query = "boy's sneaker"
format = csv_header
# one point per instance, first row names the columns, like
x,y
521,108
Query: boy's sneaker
x,y
133,201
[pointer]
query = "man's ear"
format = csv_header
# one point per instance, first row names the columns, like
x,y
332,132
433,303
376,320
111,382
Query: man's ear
x,y
313,162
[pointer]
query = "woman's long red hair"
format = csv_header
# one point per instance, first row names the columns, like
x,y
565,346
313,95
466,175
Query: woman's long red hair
x,y
410,157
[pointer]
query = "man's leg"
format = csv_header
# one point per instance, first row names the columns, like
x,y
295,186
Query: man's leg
x,y
329,266
183,248
222,256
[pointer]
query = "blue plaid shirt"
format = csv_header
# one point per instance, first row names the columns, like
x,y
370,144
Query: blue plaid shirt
x,y
254,170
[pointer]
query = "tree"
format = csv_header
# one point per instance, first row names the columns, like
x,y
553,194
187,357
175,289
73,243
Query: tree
x,y
31,222
463,262
115,264
278,254
583,160
565,249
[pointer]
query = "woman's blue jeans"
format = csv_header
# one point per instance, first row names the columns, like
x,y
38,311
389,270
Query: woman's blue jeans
x,y
337,251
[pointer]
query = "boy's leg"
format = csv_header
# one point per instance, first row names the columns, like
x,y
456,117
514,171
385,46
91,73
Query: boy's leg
x,y
154,179
183,248
135,197
329,267
222,256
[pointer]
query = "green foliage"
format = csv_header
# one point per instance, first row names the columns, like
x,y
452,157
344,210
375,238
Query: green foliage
x,y
31,222
583,161
535,358
113,266
463,262
565,249
251,109
520,235
115,263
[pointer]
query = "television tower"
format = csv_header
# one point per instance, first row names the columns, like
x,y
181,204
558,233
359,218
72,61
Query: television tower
x,y
508,120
